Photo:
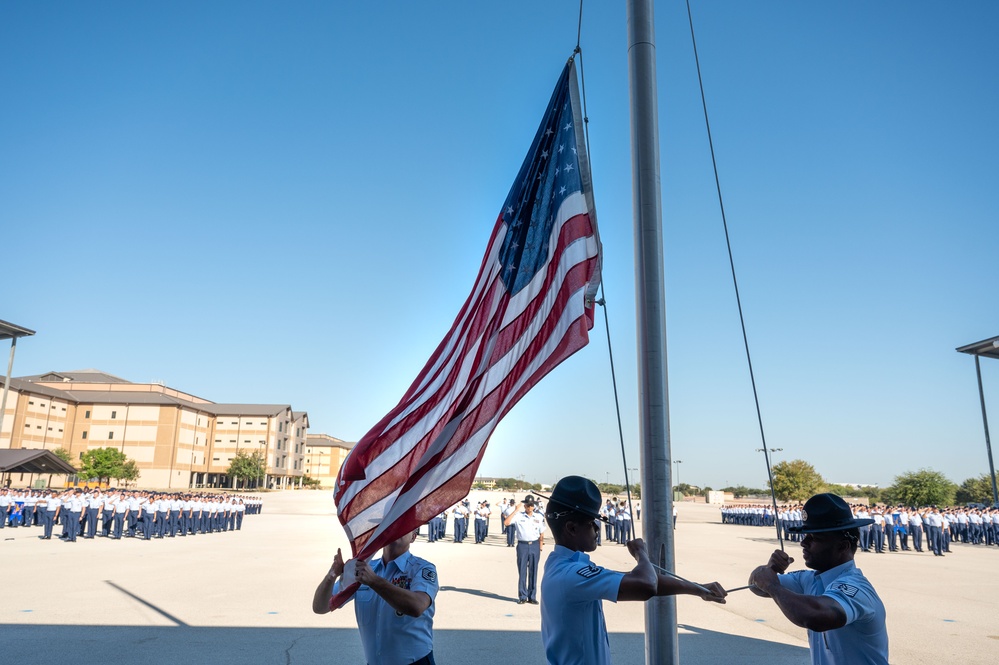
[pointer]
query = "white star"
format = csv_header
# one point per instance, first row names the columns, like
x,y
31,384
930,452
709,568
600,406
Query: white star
x,y
568,167
509,210
574,150
514,245
561,148
562,190
568,126
544,154
549,132
557,171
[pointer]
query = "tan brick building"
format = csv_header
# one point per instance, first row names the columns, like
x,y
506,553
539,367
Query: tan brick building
x,y
177,439
324,455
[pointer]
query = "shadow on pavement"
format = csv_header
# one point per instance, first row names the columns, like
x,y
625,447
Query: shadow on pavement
x,y
167,645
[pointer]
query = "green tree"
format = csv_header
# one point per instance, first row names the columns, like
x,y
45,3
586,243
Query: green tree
x,y
741,491
309,481
102,464
129,472
975,490
63,454
609,488
796,480
925,487
247,466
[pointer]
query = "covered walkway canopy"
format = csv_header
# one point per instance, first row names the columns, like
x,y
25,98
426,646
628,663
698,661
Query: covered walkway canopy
x,y
32,460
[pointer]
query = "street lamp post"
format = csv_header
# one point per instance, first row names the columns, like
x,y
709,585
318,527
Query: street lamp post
x,y
677,463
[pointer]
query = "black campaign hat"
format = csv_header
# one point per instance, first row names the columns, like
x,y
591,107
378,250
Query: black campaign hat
x,y
827,512
529,500
577,494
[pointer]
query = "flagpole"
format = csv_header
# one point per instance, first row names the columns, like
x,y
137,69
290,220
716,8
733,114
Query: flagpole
x,y
661,646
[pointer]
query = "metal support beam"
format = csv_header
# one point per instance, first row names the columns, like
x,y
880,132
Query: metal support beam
x,y
988,442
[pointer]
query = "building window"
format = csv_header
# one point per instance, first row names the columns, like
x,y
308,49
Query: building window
x,y
232,440
246,440
216,459
114,414
218,440
31,403
86,414
60,429
110,435
84,436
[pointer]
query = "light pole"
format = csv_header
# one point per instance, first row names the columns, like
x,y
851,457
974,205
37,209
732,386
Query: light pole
x,y
677,463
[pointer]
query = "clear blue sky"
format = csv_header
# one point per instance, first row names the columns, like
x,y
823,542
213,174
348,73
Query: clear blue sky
x,y
332,172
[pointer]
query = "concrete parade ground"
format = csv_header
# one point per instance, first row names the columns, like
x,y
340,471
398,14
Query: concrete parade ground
x,y
245,597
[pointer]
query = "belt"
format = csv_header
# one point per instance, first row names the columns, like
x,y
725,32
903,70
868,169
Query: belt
x,y
526,542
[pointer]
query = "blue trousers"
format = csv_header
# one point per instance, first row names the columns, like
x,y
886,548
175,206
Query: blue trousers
x,y
48,521
935,540
528,556
879,537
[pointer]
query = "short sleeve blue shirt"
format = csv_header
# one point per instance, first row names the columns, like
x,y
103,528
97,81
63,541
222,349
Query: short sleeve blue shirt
x,y
572,615
390,637
864,638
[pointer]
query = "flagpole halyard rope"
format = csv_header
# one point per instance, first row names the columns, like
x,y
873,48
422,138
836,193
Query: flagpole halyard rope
x,y
735,282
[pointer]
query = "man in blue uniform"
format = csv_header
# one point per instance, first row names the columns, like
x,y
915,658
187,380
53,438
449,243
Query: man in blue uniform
x,y
573,588
530,533
394,605
836,603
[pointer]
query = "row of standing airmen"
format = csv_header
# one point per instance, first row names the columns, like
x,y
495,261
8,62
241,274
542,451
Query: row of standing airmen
x,y
893,527
123,513
617,525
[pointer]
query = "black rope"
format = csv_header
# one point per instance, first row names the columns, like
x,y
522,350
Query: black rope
x,y
617,404
735,282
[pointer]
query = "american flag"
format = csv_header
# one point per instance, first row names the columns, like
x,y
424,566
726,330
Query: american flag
x,y
530,309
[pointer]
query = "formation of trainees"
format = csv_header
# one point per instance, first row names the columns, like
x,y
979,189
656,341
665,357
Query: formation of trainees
x,y
396,601
115,513
891,529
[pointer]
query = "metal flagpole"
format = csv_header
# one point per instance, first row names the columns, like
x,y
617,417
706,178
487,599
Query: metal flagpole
x,y
661,646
